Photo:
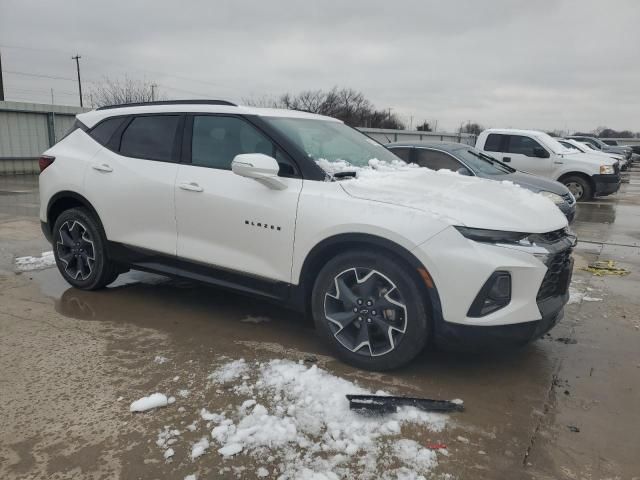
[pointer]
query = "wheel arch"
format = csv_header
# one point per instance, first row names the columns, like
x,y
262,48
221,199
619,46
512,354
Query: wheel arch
x,y
331,246
65,200
580,174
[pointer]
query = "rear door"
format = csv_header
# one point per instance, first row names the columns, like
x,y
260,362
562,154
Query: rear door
x,y
131,180
230,221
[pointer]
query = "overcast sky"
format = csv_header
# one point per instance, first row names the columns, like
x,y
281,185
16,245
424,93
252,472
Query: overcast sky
x,y
530,64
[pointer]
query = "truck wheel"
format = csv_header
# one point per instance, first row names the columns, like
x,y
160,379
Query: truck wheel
x,y
369,308
579,187
79,247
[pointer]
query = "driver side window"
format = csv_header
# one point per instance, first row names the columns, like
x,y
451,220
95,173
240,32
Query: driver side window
x,y
523,145
216,140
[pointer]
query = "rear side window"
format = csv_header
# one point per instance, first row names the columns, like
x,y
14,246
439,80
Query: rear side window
x,y
103,132
493,143
523,145
150,137
403,152
436,160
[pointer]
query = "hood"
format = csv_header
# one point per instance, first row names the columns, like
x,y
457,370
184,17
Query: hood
x,y
533,182
460,200
595,158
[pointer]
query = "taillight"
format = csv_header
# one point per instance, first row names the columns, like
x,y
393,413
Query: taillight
x,y
45,161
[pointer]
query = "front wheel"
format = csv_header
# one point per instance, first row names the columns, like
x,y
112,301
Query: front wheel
x,y
579,187
79,247
369,308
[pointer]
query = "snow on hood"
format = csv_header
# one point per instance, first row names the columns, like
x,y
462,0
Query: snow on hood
x,y
453,198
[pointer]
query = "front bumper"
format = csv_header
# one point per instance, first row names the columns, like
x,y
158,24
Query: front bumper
x,y
606,184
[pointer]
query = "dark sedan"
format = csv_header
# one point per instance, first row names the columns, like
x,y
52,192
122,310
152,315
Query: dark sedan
x,y
466,160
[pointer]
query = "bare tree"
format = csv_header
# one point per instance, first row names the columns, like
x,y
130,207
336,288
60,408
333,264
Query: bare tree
x,y
473,128
347,104
119,91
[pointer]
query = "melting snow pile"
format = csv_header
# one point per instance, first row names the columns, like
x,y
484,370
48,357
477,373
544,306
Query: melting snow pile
x,y
25,264
154,400
299,419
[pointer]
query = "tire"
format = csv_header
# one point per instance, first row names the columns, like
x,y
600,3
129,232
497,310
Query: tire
x,y
396,331
579,187
79,247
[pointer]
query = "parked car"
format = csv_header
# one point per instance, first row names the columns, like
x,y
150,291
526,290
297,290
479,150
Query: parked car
x,y
466,160
535,152
587,148
600,145
236,197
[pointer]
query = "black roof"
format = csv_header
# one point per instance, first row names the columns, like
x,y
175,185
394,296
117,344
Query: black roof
x,y
170,102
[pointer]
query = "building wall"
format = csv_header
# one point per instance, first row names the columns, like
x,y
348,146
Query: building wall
x,y
27,130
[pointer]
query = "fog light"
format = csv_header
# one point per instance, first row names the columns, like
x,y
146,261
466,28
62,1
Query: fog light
x,y
494,295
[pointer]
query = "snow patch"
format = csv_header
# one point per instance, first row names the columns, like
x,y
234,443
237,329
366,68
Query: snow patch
x,y
199,448
299,416
154,400
160,359
45,260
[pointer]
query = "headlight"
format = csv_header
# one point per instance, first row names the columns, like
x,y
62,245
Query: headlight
x,y
606,169
491,236
555,198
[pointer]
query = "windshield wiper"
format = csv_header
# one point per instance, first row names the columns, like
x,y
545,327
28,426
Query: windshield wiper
x,y
491,160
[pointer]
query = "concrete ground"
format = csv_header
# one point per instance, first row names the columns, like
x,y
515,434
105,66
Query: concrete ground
x,y
565,407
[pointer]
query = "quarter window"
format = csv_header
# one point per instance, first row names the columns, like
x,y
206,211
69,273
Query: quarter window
x,y
103,132
436,160
494,143
523,145
150,137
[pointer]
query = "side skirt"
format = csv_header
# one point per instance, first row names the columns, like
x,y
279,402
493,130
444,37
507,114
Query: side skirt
x,y
155,262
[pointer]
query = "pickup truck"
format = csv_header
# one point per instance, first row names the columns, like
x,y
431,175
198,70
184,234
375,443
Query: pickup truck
x,y
585,175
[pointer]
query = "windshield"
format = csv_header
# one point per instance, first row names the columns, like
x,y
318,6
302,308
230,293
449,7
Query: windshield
x,y
331,141
481,162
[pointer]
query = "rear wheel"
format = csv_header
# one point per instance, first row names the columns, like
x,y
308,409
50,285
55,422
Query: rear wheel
x,y
79,246
368,307
579,187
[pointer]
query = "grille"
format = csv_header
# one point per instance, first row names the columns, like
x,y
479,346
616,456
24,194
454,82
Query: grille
x,y
568,198
549,237
556,280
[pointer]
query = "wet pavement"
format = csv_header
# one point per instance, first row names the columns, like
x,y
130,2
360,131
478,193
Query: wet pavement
x,y
71,362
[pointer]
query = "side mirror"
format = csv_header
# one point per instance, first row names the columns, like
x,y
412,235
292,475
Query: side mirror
x,y
540,152
464,171
260,167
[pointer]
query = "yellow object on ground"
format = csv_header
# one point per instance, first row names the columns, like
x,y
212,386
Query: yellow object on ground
x,y
607,267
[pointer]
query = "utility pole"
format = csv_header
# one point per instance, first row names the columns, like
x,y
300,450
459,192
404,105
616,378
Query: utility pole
x,y
153,92
1,85
52,96
77,59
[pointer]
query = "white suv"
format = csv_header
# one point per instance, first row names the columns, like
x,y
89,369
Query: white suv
x,y
585,175
237,197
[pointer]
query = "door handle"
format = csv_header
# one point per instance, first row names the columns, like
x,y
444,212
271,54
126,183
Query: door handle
x,y
191,187
506,159
559,163
102,167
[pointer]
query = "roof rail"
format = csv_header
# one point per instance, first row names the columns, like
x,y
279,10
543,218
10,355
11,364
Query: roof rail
x,y
170,102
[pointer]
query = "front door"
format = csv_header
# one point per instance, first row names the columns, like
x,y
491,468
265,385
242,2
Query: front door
x,y
521,155
230,221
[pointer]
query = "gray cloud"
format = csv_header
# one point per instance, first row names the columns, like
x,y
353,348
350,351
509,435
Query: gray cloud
x,y
549,64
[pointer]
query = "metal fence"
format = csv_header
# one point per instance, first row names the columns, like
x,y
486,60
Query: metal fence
x,y
27,130
384,135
